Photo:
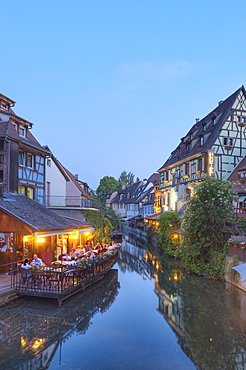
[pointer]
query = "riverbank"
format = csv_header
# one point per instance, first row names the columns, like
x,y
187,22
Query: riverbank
x,y
7,293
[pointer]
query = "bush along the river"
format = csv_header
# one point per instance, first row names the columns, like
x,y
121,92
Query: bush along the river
x,y
206,225
167,236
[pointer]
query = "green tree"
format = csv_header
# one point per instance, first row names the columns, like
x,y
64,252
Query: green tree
x,y
166,236
126,178
107,185
113,217
206,227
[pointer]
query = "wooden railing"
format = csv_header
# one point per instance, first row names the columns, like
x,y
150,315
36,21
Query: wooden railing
x,y
237,251
61,282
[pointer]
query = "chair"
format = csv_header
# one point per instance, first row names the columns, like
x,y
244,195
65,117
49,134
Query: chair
x,y
25,275
55,281
57,264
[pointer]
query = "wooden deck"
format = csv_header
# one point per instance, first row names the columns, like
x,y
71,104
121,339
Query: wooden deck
x,y
61,282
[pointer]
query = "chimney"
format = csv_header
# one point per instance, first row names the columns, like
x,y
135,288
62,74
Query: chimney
x,y
123,186
220,102
76,176
197,120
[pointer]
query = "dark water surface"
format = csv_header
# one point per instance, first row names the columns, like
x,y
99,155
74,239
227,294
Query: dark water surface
x,y
146,314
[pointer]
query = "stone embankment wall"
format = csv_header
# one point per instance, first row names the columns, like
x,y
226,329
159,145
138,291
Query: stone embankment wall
x,y
232,276
8,296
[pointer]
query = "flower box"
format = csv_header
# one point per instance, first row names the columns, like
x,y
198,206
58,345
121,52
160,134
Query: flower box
x,y
198,172
185,176
242,124
228,147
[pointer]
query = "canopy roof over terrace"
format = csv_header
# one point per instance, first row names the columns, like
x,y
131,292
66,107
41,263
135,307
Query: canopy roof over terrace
x,y
22,215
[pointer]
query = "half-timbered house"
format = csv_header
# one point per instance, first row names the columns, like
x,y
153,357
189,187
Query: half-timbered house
x,y
22,158
213,146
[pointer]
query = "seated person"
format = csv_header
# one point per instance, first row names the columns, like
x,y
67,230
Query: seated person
x,y
64,257
92,255
73,252
73,263
25,265
37,261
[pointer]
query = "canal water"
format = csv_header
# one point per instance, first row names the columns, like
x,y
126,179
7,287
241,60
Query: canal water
x,y
145,314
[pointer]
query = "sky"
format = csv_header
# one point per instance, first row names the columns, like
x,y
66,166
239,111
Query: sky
x,y
112,85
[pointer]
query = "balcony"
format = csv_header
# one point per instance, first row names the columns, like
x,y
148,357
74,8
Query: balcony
x,y
70,202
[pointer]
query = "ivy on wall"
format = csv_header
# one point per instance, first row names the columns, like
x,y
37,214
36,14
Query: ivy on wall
x,y
103,227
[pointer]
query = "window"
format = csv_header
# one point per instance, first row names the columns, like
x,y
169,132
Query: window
x,y
22,131
228,141
4,106
29,160
1,145
187,168
48,162
21,189
193,167
21,158
1,175
30,193
1,158
199,164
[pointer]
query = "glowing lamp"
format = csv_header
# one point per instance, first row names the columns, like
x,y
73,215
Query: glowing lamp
x,y
40,240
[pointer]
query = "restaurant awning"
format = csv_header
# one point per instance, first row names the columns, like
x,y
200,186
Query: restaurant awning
x,y
241,269
49,233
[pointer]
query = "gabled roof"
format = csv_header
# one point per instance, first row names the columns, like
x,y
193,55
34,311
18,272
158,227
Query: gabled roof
x,y
36,216
6,99
7,129
219,114
76,182
117,199
136,192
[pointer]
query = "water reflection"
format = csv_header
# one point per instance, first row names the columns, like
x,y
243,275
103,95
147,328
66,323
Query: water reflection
x,y
133,258
207,316
32,330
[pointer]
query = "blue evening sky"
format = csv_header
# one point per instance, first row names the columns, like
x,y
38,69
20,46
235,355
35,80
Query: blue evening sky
x,y
113,85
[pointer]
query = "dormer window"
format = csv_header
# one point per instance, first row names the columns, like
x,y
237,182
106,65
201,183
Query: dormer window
x,y
4,106
22,131
201,140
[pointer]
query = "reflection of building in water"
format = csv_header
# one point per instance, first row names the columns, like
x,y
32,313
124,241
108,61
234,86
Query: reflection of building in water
x,y
170,307
31,331
207,319
134,258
